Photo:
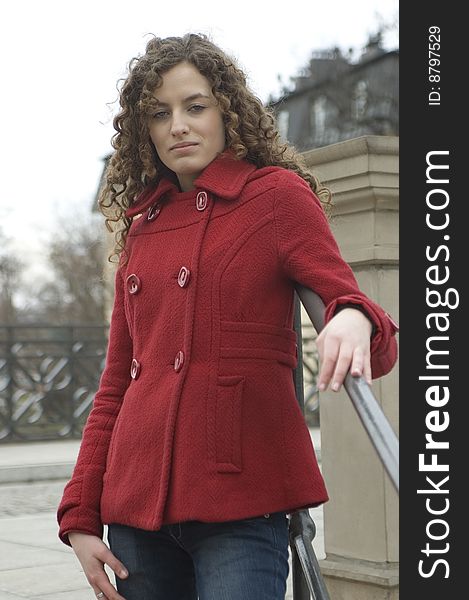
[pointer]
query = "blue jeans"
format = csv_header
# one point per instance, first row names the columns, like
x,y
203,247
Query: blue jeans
x,y
245,559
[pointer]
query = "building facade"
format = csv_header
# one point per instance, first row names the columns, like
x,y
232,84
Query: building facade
x,y
335,99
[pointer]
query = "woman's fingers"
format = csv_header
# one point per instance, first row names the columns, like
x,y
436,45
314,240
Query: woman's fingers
x,y
93,554
337,360
342,366
358,362
361,364
114,563
367,369
100,583
328,352
99,580
344,345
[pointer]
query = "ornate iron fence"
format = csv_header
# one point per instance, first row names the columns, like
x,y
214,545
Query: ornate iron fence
x,y
48,378
49,375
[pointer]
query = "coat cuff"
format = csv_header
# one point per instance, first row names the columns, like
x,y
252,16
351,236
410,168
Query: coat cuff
x,y
79,507
383,341
79,520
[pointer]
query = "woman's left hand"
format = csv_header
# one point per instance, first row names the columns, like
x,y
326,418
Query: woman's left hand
x,y
344,345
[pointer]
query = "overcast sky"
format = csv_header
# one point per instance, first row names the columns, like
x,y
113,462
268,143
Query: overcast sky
x,y
61,62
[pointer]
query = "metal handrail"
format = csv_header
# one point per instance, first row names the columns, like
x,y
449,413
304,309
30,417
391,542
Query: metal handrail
x,y
307,579
373,418
306,575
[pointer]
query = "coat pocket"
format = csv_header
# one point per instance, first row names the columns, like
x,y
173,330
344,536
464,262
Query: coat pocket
x,y
228,419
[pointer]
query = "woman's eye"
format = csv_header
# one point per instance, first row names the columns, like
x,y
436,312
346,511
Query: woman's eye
x,y
161,114
197,108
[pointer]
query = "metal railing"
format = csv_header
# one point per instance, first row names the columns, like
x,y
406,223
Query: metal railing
x,y
307,579
48,377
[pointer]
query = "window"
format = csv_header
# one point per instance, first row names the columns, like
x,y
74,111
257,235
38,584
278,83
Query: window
x,y
282,123
359,100
318,117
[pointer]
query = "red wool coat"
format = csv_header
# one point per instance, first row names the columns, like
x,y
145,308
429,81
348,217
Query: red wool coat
x,y
196,417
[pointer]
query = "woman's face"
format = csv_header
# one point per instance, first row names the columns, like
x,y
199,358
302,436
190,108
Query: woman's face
x,y
187,126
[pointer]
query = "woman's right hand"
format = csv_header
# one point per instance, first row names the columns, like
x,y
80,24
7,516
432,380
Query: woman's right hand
x,y
93,554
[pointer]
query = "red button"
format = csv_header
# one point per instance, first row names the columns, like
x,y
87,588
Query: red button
x,y
154,211
135,369
183,277
133,284
201,200
178,361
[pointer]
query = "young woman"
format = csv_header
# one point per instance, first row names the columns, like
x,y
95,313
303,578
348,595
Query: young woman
x,y
196,449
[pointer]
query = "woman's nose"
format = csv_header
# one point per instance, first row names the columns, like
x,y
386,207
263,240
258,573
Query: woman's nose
x,y
179,125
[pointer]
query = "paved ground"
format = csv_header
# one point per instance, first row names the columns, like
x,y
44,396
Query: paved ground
x,y
34,564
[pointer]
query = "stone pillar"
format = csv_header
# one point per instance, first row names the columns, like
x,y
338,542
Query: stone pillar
x,y
361,518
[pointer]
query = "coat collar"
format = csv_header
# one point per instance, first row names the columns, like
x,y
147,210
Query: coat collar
x,y
224,177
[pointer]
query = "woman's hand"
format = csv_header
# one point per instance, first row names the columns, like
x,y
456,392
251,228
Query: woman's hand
x,y
93,554
344,345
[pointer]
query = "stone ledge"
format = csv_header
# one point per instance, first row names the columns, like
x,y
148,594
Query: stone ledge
x,y
380,574
371,255
363,145
32,472
362,173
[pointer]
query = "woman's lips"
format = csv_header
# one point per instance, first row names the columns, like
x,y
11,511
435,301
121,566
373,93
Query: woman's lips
x,y
184,146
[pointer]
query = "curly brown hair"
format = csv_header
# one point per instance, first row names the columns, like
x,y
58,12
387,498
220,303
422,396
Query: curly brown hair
x,y
250,128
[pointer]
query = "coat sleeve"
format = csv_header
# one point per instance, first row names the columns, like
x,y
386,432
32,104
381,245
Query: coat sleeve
x,y
310,256
79,509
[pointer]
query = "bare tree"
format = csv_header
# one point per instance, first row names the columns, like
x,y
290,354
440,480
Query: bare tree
x,y
76,290
10,277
